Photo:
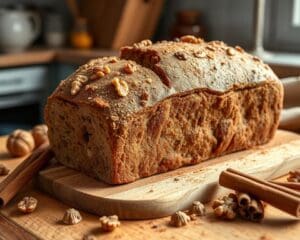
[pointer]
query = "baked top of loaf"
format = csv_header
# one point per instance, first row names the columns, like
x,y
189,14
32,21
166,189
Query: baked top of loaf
x,y
212,65
120,87
144,87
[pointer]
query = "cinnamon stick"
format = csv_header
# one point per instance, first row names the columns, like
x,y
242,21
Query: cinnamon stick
x,y
292,185
283,198
23,173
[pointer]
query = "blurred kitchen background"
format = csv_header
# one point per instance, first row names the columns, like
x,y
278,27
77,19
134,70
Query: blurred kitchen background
x,y
43,41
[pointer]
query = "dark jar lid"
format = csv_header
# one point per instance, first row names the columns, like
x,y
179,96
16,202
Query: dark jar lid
x,y
188,16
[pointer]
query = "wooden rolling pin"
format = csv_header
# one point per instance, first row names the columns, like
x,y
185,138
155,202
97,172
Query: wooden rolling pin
x,y
24,173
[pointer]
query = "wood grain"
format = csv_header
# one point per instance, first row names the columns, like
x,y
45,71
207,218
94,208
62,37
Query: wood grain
x,y
24,172
138,22
116,23
10,230
163,194
45,222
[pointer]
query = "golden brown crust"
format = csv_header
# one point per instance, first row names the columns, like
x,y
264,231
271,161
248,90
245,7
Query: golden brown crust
x,y
102,93
173,104
213,65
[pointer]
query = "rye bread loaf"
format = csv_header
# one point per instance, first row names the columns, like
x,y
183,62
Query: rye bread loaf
x,y
160,107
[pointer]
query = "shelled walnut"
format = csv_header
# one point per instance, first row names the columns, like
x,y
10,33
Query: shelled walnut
x,y
180,55
109,223
129,68
39,133
230,51
120,86
294,176
191,39
179,219
249,207
71,217
78,81
226,207
199,54
27,204
3,170
197,208
20,143
113,60
143,43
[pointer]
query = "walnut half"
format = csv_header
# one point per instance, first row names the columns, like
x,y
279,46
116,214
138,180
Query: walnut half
x,y
226,207
20,143
179,219
197,208
27,204
71,217
39,133
109,223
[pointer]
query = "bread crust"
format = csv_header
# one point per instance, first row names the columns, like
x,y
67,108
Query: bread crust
x,y
180,110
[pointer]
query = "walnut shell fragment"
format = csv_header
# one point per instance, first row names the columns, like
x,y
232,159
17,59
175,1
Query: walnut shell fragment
x,y
71,217
27,204
179,219
197,208
226,207
109,223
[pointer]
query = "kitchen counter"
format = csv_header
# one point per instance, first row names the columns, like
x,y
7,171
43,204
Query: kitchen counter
x,y
45,56
78,57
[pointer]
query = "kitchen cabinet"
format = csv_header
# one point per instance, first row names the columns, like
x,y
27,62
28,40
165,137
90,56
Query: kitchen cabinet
x,y
30,77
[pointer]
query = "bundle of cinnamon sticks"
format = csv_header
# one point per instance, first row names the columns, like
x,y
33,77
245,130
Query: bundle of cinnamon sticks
x,y
280,195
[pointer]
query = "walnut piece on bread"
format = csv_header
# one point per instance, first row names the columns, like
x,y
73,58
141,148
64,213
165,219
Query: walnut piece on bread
x,y
120,86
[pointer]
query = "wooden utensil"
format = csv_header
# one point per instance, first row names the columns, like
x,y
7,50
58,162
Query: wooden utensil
x,y
117,23
21,175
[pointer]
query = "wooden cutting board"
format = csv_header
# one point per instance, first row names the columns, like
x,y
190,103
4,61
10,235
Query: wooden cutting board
x,y
45,222
162,195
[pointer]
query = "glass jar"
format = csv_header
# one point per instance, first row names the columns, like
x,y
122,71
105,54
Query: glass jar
x,y
188,22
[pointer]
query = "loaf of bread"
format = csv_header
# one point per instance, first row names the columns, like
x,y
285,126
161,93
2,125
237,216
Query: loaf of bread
x,y
160,107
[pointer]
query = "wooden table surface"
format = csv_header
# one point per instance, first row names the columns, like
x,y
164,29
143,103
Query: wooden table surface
x,y
45,223
45,56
